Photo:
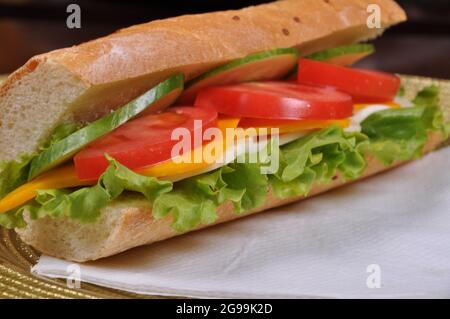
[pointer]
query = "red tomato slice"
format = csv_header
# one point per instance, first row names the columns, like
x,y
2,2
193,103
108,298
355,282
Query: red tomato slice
x,y
143,141
363,85
276,100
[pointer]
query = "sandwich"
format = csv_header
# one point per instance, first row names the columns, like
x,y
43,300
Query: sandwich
x,y
102,145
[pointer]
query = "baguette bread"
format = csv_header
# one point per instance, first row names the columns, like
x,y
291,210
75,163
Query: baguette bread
x,y
128,222
85,82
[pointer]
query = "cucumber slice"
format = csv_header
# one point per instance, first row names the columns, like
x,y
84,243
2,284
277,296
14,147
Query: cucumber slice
x,y
157,98
267,65
345,55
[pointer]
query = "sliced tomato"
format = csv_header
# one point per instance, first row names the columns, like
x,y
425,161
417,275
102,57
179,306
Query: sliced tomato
x,y
276,100
290,126
143,141
364,86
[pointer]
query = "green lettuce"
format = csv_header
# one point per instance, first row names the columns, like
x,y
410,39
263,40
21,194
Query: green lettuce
x,y
400,134
389,135
316,158
14,219
15,173
401,92
194,201
85,204
248,177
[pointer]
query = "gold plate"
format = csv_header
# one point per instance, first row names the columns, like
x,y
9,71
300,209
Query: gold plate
x,y
16,258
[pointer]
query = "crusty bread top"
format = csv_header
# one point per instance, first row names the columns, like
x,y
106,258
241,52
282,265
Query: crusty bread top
x,y
217,36
205,38
84,82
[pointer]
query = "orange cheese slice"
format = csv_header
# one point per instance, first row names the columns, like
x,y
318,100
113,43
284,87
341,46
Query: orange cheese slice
x,y
60,177
66,176
186,163
290,126
359,107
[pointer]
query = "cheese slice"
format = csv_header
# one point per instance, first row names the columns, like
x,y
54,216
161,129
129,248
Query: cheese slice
x,y
185,163
392,104
61,177
291,126
66,176
174,169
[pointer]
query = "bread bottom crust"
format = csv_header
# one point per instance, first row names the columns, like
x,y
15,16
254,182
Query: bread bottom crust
x,y
128,222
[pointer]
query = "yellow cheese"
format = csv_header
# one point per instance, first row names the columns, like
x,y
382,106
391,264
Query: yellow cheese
x,y
286,127
185,163
359,107
61,177
66,176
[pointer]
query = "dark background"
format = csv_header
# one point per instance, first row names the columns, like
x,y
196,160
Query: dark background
x,y
28,27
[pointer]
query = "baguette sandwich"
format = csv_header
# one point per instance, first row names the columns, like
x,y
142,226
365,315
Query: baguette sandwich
x,y
87,133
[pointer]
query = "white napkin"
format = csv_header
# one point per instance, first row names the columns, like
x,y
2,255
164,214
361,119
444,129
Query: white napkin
x,y
391,231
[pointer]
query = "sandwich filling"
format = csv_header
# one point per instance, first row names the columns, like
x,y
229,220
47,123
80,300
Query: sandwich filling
x,y
290,131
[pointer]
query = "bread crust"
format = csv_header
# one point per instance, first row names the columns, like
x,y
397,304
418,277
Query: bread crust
x,y
205,40
202,41
84,82
134,225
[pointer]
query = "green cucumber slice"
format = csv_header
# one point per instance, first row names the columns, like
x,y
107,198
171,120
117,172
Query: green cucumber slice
x,y
267,65
344,55
155,99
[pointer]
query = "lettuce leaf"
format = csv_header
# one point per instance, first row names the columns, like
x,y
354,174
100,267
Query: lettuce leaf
x,y
14,219
428,96
247,177
194,201
400,134
187,207
401,92
85,204
15,173
317,158
394,134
